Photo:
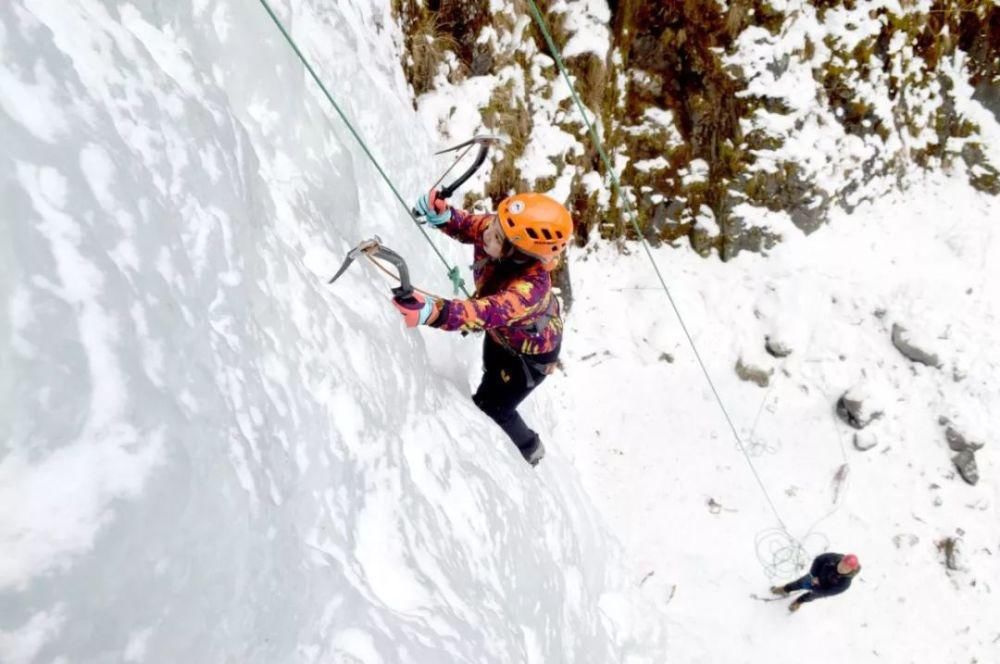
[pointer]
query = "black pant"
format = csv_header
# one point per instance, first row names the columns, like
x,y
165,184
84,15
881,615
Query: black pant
x,y
506,383
801,583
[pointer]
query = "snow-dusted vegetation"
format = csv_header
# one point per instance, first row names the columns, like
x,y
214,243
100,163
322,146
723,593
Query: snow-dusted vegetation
x,y
727,109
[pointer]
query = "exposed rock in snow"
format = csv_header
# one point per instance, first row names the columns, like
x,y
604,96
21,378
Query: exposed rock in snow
x,y
865,440
949,549
965,462
776,347
753,374
957,441
858,407
901,340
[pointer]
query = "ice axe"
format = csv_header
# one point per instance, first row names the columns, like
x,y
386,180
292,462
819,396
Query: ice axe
x,y
484,141
373,248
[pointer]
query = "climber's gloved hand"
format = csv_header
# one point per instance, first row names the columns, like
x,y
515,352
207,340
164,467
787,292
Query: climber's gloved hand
x,y
417,309
435,209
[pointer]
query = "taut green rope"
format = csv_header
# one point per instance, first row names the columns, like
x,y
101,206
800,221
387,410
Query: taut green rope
x,y
595,137
453,274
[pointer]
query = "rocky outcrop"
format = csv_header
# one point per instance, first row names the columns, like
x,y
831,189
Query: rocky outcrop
x,y
708,126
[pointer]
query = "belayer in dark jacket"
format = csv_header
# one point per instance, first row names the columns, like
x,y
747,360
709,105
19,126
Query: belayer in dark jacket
x,y
830,574
515,249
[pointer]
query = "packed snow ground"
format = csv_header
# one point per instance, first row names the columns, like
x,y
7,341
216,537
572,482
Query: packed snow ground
x,y
659,460
214,456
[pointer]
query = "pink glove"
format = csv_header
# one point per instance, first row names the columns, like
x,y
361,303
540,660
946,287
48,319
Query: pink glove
x,y
416,308
438,204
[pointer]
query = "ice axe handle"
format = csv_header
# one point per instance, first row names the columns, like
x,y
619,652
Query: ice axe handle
x,y
405,288
480,158
403,295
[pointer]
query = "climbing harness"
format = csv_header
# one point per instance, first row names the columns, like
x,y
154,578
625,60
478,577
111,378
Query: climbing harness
x,y
526,363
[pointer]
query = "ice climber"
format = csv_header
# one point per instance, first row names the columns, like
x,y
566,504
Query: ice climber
x,y
830,574
515,250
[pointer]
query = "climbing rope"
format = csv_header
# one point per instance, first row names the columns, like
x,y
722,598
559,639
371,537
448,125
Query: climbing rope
x,y
779,554
755,446
630,213
453,272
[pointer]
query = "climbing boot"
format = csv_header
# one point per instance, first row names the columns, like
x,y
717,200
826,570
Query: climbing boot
x,y
533,452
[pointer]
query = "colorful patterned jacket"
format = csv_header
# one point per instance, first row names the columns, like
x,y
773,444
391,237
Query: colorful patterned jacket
x,y
513,314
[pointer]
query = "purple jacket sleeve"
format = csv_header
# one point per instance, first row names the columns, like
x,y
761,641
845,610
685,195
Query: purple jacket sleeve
x,y
465,227
521,301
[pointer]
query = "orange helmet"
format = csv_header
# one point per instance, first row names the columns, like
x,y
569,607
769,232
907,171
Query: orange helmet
x,y
536,224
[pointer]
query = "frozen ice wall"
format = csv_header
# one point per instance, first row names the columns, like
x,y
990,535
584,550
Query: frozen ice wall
x,y
206,454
